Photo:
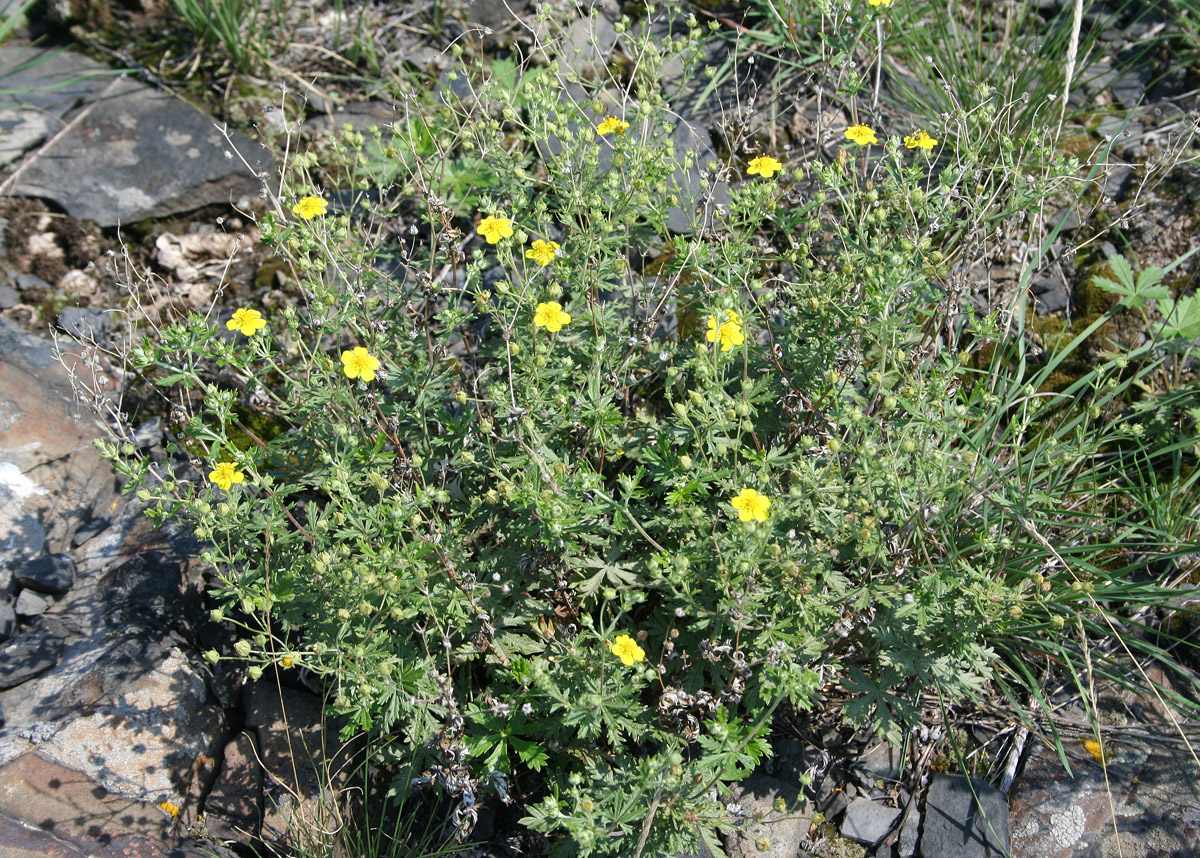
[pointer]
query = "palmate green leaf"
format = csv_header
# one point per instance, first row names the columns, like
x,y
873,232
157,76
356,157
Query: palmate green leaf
x,y
608,572
1134,293
1181,319
509,645
531,754
873,703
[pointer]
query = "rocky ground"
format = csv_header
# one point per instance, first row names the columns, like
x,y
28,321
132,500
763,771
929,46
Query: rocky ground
x,y
117,738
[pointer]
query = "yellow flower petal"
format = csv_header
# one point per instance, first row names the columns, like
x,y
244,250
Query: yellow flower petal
x,y
764,166
611,124
863,135
495,228
310,207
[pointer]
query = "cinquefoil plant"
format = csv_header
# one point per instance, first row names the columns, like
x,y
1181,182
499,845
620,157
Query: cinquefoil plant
x,y
573,532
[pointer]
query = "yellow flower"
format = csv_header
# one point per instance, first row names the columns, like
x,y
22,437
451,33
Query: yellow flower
x,y
172,809
863,135
626,649
765,166
728,333
494,228
249,322
542,252
287,661
608,126
751,505
920,140
1095,749
309,207
550,315
225,475
880,2
359,363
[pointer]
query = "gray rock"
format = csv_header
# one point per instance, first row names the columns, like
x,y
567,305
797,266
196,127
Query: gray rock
x,y
31,281
879,762
50,573
149,740
8,621
495,14
1050,293
910,834
142,154
146,591
287,727
1144,800
31,604
588,43
20,130
25,535
868,821
233,808
701,851
1113,124
86,324
776,821
49,469
9,296
956,826
453,86
360,116
149,433
93,528
41,86
1130,88
1117,181
26,656
51,82
697,195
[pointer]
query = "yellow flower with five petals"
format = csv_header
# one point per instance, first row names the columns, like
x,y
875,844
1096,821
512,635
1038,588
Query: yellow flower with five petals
x,y
225,474
310,207
495,228
542,252
863,135
611,124
726,331
920,140
626,649
249,322
550,315
751,505
765,166
359,363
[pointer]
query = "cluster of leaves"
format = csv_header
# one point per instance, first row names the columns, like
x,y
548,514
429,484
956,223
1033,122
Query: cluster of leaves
x,y
503,526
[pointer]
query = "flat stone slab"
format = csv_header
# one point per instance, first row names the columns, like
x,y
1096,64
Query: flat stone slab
x,y
138,153
959,824
880,762
51,811
50,573
1153,790
868,821
27,656
233,807
776,821
51,476
42,86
